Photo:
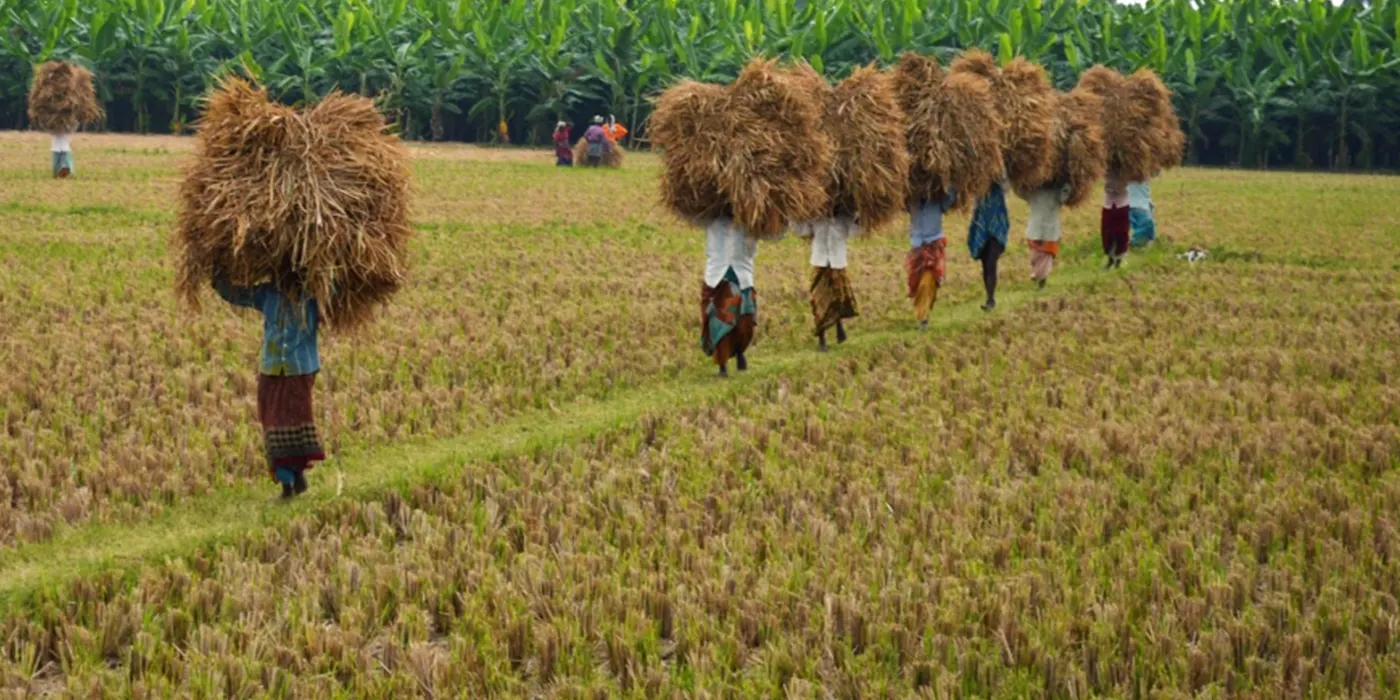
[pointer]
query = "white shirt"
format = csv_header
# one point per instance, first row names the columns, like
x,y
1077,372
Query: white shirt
x,y
726,246
62,143
1044,223
828,240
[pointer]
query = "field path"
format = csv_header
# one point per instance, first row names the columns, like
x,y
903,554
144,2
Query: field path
x,y
218,517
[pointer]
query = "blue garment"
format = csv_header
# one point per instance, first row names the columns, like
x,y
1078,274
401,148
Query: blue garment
x,y
289,333
989,222
1144,228
926,222
1140,195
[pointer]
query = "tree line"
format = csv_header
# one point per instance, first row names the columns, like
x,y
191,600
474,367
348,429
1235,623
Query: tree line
x,y
1258,83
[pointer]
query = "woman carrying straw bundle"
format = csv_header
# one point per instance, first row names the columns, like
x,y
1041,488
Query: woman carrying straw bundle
x,y
303,216
1080,159
61,100
867,186
742,162
596,139
953,134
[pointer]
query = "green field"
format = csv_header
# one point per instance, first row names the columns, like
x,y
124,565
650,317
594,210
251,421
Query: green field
x,y
1168,481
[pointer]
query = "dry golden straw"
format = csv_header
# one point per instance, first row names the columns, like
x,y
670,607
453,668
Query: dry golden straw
x,y
1081,157
1140,127
314,201
62,98
1026,101
754,151
870,171
613,154
952,131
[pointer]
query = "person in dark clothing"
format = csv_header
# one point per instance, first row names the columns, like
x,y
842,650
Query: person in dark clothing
x,y
563,151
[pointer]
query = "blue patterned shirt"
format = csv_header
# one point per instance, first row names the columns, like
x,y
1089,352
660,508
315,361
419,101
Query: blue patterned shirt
x,y
989,222
289,334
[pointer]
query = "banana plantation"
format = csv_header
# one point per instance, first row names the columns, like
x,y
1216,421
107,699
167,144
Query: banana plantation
x,y
1259,83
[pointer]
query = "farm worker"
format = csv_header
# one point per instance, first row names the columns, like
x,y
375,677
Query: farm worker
x,y
613,130
833,300
62,148
926,263
728,305
597,138
1114,227
986,238
288,363
1140,214
563,151
1043,230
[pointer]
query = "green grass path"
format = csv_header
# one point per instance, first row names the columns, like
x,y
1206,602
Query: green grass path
x,y
222,515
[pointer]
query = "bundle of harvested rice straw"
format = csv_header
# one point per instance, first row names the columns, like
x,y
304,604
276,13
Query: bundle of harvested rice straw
x,y
1140,127
1026,101
952,131
1081,156
62,98
313,201
869,179
753,151
613,153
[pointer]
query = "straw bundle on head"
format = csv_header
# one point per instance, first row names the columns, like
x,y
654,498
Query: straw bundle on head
x,y
1170,142
1080,153
870,168
686,125
1026,102
778,158
315,202
754,151
952,131
62,98
1132,122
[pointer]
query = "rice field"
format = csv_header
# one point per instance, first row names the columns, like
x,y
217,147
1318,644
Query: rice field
x,y
1171,481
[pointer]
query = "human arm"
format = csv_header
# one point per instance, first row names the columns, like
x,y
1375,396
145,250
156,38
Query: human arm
x,y
238,296
1065,193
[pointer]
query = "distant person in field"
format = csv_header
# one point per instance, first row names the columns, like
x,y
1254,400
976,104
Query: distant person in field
x,y
1141,214
614,131
1043,230
597,138
563,148
1115,226
986,237
61,146
833,299
288,364
927,262
728,305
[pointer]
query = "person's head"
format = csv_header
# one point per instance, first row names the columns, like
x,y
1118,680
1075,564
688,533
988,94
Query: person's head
x,y
598,120
561,126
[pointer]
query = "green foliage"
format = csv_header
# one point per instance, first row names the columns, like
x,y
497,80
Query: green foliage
x,y
1301,82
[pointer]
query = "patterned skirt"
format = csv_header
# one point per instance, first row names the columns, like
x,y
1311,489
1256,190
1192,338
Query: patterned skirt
x,y
1114,229
289,426
1043,254
721,307
63,163
932,257
833,299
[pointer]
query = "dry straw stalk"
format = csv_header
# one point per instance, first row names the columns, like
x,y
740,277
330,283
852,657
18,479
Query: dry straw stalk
x,y
62,98
952,131
313,201
1026,102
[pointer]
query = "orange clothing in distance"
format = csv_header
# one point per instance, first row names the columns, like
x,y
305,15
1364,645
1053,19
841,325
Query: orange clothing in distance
x,y
614,132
